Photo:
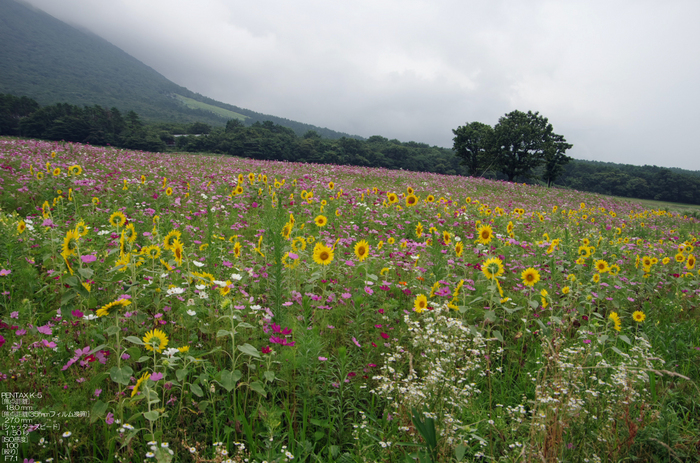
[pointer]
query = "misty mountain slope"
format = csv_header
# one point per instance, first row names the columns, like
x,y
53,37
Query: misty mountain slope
x,y
52,62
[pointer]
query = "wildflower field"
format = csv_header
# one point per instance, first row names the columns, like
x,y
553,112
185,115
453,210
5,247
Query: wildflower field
x,y
167,307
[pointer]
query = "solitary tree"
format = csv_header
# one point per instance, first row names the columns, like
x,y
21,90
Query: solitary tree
x,y
473,142
520,140
554,158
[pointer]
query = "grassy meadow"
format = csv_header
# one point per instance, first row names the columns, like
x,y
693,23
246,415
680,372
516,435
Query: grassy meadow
x,y
185,308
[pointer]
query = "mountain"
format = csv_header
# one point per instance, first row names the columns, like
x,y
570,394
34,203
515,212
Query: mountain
x,y
52,62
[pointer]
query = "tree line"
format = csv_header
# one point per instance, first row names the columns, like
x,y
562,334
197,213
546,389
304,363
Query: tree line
x,y
522,146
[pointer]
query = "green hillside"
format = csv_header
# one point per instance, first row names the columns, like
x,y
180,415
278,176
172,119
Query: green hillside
x,y
51,62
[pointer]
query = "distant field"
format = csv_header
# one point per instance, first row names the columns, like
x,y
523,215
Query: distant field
x,y
194,104
663,205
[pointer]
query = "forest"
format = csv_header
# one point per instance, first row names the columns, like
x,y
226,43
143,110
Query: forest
x,y
22,116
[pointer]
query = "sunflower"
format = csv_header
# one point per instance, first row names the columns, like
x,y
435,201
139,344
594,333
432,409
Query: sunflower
x,y
153,251
130,233
430,198
446,237
321,221
492,268
690,263
380,245
155,340
391,240
70,243
56,172
117,219
224,290
459,248
21,226
596,278
105,309
331,185
170,238
169,191
81,229
601,266
614,269
177,250
39,175
638,316
411,200
323,255
530,276
680,258
485,233
141,380
419,230
420,303
393,198
251,178
616,320
361,250
565,290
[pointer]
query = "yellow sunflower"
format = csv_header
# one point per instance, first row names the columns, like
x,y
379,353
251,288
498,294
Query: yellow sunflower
x,y
130,233
419,230
638,316
56,172
321,221
393,198
492,268
420,303
70,244
411,200
21,226
446,237
39,175
170,239
485,233
430,198
530,276
140,381
323,255
117,219
459,248
601,266
361,250
178,251
153,251
155,340
690,263
287,230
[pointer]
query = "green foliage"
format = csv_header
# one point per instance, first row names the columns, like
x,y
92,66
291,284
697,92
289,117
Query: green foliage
x,y
474,144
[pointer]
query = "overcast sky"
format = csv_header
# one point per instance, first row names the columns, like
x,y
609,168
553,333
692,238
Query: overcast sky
x,y
620,80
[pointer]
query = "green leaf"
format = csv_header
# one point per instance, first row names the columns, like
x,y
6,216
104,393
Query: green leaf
x,y
229,379
533,304
202,405
250,350
460,451
181,374
259,388
617,350
151,416
135,340
196,390
269,376
86,273
221,333
144,359
98,410
71,281
323,424
67,298
603,338
490,315
626,339
512,311
245,325
498,335
121,375
372,277
112,330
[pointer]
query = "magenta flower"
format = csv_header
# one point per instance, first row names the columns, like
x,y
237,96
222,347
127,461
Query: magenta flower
x,y
14,314
88,258
110,418
5,272
322,359
46,329
98,392
156,376
77,313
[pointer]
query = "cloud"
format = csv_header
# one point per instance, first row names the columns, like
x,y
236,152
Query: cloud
x,y
617,79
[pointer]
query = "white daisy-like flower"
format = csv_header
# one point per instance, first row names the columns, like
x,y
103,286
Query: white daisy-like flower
x,y
237,277
203,295
175,290
67,434
220,283
200,287
152,443
191,313
170,351
193,450
150,455
164,445
89,317
197,263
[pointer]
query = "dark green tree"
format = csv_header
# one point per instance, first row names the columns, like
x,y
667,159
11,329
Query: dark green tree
x,y
520,140
473,143
554,158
